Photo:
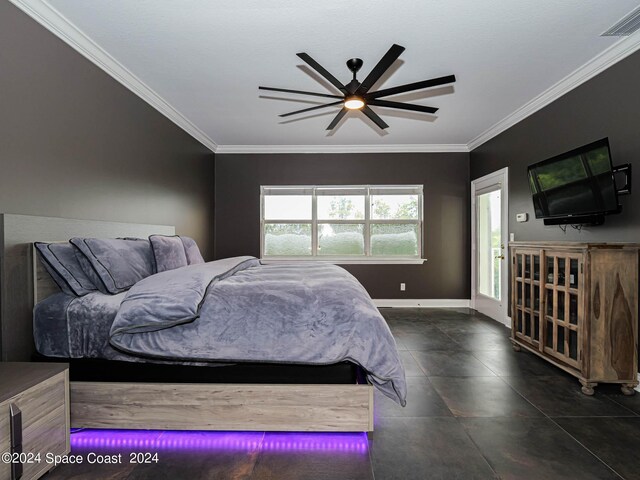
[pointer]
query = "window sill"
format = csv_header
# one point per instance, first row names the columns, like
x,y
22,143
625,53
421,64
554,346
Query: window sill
x,y
346,261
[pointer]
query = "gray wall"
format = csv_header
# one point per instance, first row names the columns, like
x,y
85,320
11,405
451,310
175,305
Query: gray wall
x,y
75,143
445,178
606,106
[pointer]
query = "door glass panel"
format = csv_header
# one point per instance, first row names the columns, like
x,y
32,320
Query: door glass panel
x,y
560,339
527,324
561,276
550,270
550,303
527,295
527,266
536,298
536,267
573,275
488,245
536,327
573,309
549,335
560,305
519,293
573,344
519,321
519,260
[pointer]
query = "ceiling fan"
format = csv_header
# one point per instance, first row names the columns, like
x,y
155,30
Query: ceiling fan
x,y
356,95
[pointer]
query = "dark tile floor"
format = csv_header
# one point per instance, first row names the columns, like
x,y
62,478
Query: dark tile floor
x,y
475,409
481,410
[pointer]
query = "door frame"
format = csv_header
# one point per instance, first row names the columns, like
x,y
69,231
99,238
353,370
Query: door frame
x,y
502,177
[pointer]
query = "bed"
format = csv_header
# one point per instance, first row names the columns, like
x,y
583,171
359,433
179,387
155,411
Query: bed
x,y
208,404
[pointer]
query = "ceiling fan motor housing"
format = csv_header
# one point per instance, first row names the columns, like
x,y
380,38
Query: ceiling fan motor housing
x,y
354,65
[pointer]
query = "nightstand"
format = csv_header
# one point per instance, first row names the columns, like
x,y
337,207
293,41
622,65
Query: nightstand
x,y
34,416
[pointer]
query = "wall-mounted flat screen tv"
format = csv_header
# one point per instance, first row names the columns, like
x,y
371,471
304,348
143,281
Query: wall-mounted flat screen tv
x,y
579,183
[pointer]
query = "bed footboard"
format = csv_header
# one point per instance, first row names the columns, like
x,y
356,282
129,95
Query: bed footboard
x,y
250,407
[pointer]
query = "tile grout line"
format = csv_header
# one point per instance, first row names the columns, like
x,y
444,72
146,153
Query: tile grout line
x,y
560,427
370,455
623,406
486,460
475,445
458,418
584,446
544,415
548,417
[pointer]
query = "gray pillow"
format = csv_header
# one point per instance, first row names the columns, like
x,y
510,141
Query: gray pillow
x,y
169,252
191,249
59,259
118,263
89,271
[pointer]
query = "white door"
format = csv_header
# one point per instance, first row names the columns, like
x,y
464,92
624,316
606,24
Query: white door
x,y
489,225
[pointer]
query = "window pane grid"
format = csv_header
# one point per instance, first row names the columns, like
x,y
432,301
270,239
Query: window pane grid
x,y
342,232
367,225
314,225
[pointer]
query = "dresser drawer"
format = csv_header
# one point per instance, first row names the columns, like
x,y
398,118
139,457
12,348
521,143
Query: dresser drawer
x,y
45,423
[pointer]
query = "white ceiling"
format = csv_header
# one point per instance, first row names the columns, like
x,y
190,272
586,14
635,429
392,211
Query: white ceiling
x,y
206,58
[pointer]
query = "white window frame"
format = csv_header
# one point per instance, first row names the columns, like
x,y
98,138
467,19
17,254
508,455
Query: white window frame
x,y
367,258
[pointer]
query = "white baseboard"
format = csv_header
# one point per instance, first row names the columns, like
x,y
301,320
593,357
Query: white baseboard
x,y
424,303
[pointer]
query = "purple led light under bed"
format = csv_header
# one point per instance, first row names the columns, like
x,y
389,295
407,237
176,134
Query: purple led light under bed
x,y
152,440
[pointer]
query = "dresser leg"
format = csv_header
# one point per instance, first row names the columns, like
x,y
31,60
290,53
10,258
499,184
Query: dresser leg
x,y
628,388
516,347
587,387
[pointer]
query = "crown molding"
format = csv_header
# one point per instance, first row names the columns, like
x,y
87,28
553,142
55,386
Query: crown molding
x,y
409,148
616,52
47,16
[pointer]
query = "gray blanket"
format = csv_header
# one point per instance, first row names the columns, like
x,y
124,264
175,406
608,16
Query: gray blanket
x,y
67,326
236,310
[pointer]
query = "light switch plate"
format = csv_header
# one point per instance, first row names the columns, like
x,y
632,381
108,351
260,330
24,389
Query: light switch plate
x,y
512,237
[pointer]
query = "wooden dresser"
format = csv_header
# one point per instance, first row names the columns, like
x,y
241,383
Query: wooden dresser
x,y
39,392
576,305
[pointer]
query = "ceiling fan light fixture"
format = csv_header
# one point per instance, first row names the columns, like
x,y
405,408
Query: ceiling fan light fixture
x,y
353,103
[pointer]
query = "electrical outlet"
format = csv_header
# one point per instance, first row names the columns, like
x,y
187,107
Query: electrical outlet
x,y
403,287
512,237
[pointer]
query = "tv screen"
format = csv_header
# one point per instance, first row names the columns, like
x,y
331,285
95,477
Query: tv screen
x,y
579,182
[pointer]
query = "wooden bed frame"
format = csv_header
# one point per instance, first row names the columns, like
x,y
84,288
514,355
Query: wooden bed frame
x,y
179,406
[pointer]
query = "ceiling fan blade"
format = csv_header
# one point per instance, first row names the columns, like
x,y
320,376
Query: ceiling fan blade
x,y
337,119
434,82
402,106
312,108
321,70
286,90
374,117
382,66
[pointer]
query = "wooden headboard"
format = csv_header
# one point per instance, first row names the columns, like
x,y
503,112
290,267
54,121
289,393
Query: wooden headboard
x,y
19,273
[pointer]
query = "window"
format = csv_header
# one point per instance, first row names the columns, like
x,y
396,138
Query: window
x,y
342,223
